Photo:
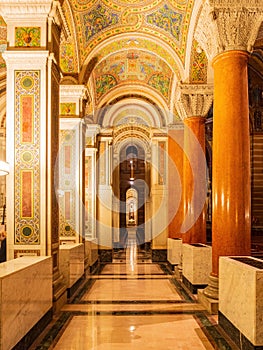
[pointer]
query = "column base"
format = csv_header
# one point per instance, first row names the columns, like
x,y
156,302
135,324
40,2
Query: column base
x,y
212,290
211,305
208,297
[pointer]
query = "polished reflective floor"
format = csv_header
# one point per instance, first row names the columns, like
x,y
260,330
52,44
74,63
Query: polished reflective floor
x,y
133,305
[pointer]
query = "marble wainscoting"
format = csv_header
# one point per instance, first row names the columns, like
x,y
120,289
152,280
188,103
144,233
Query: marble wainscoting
x,y
197,266
174,251
105,255
159,255
25,299
71,265
241,300
91,256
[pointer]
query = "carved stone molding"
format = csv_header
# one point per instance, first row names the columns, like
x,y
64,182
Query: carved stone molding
x,y
176,126
226,25
11,9
59,18
194,100
25,59
79,91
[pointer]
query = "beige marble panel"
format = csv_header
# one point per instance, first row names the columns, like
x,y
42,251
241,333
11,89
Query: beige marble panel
x,y
25,296
162,332
125,268
241,297
91,251
197,263
71,262
132,290
174,250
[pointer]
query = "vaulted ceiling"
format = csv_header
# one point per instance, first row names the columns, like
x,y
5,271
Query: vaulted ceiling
x,y
135,46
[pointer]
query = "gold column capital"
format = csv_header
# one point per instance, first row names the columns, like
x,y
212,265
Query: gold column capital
x,y
194,100
226,25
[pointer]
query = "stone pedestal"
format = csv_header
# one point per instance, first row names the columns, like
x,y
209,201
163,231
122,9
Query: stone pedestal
x,y
241,300
197,265
174,251
25,299
71,262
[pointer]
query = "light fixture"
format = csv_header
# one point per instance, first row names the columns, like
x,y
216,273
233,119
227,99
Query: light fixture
x,y
132,173
4,168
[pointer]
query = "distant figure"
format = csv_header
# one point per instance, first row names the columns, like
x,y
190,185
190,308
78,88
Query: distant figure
x,y
3,247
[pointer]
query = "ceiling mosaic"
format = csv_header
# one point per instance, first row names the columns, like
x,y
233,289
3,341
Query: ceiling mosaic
x,y
99,20
131,66
3,43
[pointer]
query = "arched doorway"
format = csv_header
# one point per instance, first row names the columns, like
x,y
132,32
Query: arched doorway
x,y
132,192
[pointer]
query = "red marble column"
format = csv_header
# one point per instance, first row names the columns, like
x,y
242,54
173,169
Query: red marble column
x,y
194,180
175,182
231,158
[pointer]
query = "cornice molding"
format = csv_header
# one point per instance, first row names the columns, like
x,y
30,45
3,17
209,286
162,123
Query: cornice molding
x,y
79,91
11,9
226,25
59,18
26,59
92,130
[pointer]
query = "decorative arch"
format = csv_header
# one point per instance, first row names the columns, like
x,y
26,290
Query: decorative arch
x,y
132,111
145,42
146,96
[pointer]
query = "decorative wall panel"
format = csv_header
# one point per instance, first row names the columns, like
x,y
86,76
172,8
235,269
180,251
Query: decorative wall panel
x,y
67,191
88,196
26,252
199,63
102,163
3,43
161,163
68,108
27,36
27,160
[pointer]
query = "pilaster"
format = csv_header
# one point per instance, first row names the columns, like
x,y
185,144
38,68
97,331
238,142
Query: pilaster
x,y
105,191
92,130
159,189
71,164
33,78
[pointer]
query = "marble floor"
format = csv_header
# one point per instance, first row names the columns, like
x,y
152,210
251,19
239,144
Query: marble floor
x,y
131,305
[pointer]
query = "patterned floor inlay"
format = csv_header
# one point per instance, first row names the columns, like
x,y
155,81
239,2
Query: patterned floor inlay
x,y
118,309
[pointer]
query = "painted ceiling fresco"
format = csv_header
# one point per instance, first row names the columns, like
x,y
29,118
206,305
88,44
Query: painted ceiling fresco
x,y
3,43
132,66
99,20
134,42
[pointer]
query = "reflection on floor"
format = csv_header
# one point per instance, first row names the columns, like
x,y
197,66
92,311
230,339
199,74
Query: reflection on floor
x,y
133,306
133,251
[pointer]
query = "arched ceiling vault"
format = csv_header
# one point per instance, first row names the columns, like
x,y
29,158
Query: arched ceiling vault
x,y
127,47
136,46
